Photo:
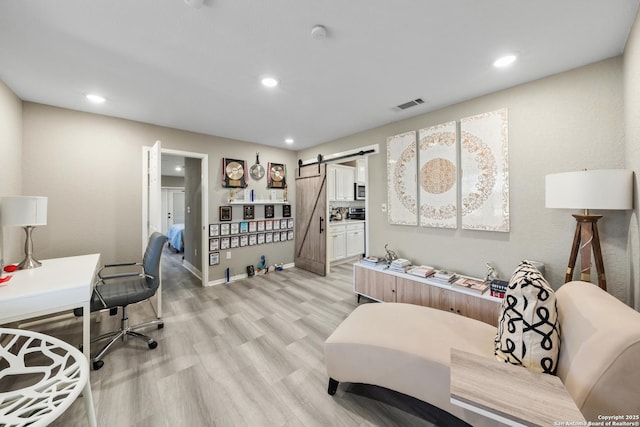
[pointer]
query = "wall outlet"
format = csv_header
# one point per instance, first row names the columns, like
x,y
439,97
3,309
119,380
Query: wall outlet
x,y
228,255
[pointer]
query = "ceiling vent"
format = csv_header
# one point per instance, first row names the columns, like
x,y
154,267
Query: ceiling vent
x,y
410,104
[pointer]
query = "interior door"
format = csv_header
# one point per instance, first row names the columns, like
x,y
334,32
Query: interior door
x,y
311,224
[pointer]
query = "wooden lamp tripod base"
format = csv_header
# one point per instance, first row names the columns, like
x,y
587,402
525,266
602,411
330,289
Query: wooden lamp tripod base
x,y
585,238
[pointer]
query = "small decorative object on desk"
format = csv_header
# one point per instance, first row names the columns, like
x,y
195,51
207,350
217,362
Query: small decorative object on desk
x,y
491,272
477,286
391,255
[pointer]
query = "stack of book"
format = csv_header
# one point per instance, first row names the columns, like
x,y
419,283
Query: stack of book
x,y
422,271
400,265
498,287
476,286
372,261
444,277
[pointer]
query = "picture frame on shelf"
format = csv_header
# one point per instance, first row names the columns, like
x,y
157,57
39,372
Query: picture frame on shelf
x,y
214,258
248,212
214,230
225,213
269,211
214,244
286,211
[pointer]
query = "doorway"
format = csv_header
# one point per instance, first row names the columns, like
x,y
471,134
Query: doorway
x,y
196,206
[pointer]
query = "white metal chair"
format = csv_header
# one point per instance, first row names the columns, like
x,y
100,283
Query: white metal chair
x,y
40,377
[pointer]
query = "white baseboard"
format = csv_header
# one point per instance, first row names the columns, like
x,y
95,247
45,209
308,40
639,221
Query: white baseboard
x,y
192,269
243,276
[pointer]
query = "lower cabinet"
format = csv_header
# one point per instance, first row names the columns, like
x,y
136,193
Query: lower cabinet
x,y
345,240
387,287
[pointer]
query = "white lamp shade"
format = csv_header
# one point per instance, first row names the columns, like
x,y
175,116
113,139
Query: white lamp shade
x,y
23,210
591,189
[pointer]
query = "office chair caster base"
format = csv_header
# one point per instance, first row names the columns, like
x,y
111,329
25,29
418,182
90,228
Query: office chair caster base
x,y
152,345
97,364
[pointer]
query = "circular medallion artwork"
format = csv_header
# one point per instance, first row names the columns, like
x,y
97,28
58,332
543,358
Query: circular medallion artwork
x,y
486,172
407,157
438,176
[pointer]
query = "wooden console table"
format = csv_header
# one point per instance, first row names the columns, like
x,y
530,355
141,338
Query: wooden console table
x,y
391,286
510,394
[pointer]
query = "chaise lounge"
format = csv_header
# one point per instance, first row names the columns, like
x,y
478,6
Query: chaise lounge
x,y
407,348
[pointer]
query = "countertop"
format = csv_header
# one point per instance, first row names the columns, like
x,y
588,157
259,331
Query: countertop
x,y
346,221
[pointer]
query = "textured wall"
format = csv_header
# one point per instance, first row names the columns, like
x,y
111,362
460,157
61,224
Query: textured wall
x,y
632,154
565,122
11,238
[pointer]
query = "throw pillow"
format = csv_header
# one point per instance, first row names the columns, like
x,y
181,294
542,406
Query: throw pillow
x,y
528,327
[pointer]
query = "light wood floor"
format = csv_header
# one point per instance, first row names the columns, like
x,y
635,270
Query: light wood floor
x,y
249,353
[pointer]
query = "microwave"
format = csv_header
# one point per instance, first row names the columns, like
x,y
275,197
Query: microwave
x,y
359,191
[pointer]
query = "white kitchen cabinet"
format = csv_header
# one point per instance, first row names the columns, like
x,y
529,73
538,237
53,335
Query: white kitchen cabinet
x,y
340,180
355,239
361,171
336,242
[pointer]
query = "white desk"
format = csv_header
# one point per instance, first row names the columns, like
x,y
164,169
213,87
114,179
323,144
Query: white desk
x,y
60,284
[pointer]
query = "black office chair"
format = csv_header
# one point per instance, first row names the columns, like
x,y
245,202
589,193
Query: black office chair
x,y
121,289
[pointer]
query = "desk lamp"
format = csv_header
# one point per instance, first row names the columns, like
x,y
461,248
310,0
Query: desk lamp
x,y
27,212
605,189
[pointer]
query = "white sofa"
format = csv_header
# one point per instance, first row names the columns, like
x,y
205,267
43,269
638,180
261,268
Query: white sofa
x,y
407,348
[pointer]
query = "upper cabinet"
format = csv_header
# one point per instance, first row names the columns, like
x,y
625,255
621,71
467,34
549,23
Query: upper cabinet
x,y
340,180
361,171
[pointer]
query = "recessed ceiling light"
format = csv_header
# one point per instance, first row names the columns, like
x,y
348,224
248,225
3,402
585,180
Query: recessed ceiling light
x,y
504,61
269,82
289,140
95,98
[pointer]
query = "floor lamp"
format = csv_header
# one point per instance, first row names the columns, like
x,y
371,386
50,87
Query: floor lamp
x,y
605,189
27,212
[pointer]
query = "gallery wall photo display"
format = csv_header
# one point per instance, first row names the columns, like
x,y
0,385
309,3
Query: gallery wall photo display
x,y
269,211
214,230
249,212
286,211
214,244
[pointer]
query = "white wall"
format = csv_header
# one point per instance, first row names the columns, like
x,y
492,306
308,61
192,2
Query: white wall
x,y
632,153
90,167
565,122
11,238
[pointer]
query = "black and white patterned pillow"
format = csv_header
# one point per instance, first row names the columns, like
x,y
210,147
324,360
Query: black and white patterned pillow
x,y
528,326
